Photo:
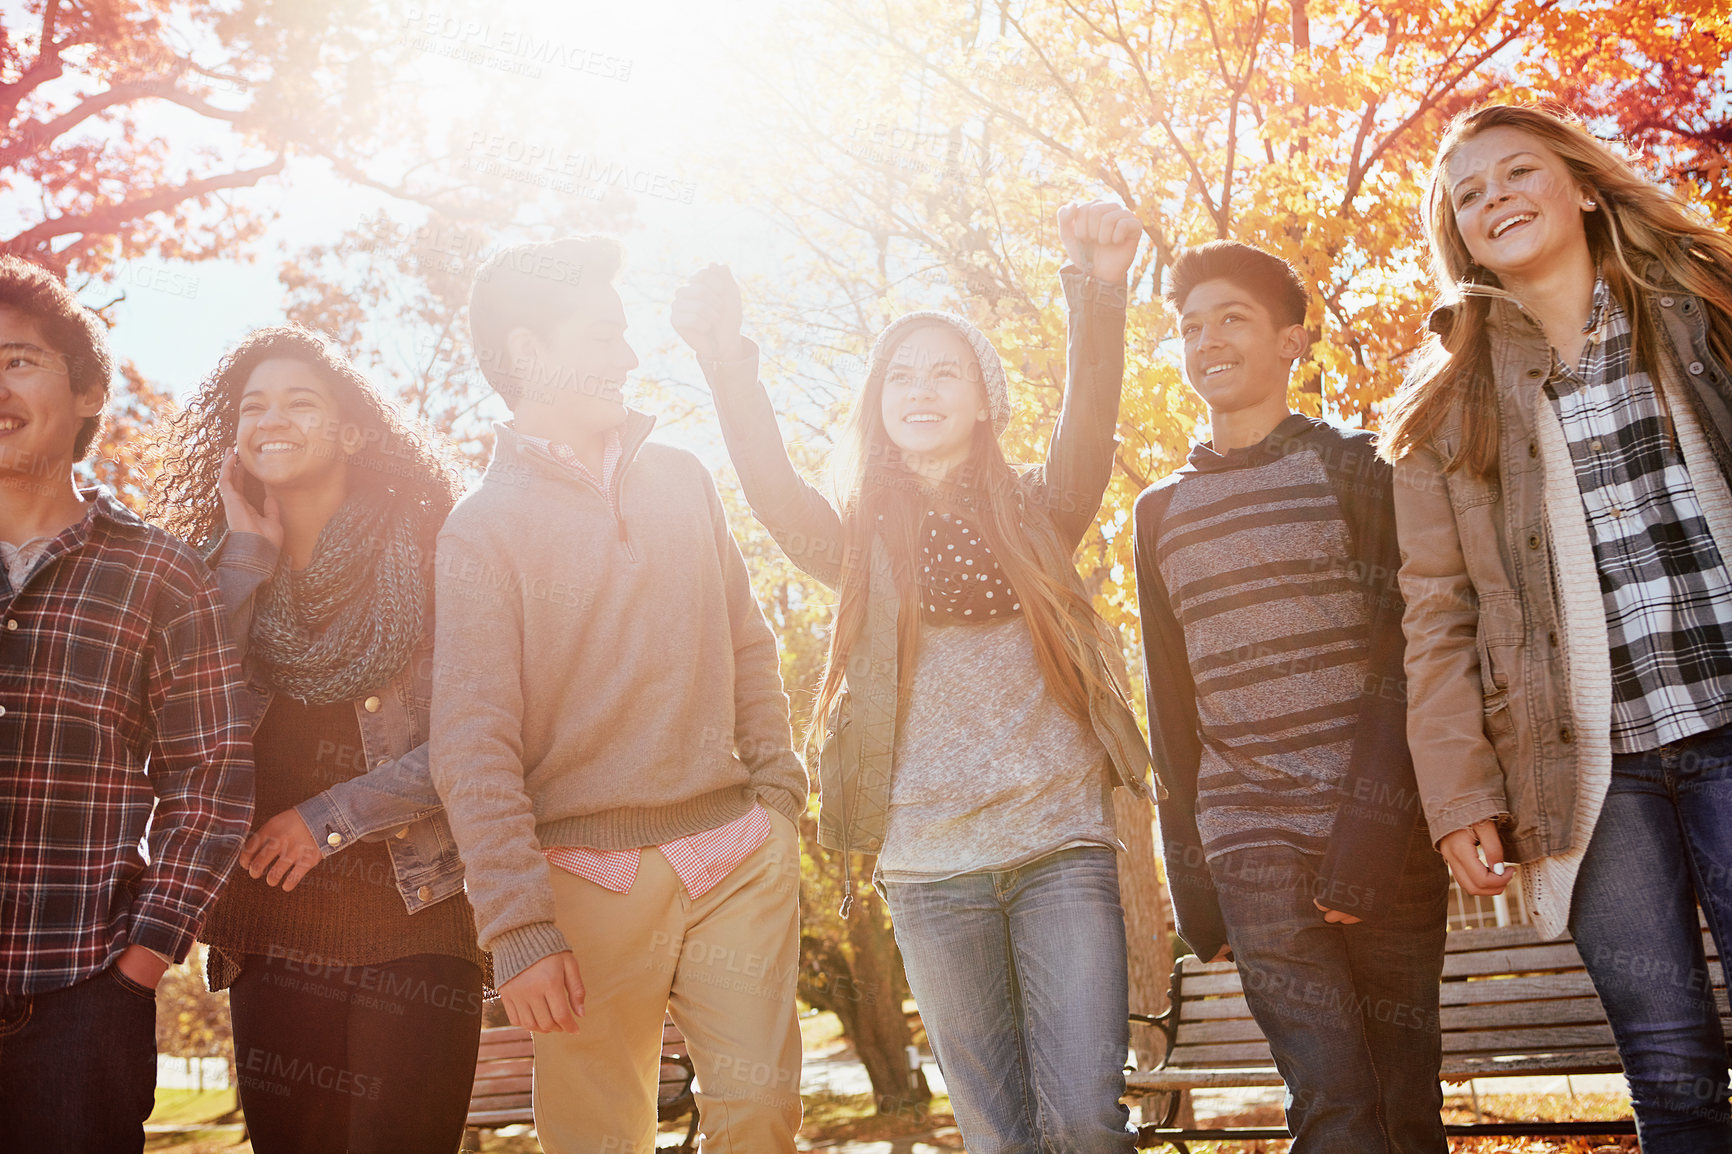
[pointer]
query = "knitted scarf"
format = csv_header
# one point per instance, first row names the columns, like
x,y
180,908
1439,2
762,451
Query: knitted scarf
x,y
348,622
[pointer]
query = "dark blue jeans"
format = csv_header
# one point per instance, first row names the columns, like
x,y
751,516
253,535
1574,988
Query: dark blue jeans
x,y
1663,844
1350,1011
78,1067
1021,981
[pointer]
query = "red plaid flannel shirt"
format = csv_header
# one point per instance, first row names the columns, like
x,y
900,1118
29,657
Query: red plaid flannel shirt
x,y
112,656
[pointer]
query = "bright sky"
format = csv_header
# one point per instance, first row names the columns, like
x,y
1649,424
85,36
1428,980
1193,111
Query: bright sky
x,y
661,93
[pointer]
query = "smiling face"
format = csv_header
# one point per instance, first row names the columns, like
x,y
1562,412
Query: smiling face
x,y
40,415
572,379
1517,207
933,396
289,430
1237,356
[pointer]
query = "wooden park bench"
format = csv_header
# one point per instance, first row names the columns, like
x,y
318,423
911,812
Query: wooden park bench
x,y
504,1080
1511,1004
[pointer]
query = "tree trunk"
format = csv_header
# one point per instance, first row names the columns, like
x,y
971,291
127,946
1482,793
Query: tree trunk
x,y
852,969
881,1034
1148,923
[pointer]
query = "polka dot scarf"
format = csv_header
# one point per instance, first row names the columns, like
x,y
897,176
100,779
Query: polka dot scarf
x,y
960,582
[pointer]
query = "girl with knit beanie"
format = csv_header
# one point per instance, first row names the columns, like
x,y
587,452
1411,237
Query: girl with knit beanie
x,y
973,715
355,983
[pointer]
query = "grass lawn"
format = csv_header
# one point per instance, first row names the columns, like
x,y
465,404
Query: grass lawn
x,y
185,1107
832,1119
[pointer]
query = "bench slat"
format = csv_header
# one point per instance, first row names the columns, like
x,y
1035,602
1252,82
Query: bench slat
x,y
504,1067
1223,1054
1515,1026
1491,991
1454,1069
503,1089
1541,1039
1519,960
493,1087
1547,1012
1501,937
1576,1028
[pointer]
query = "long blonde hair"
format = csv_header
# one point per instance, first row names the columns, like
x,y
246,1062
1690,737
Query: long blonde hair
x,y
1637,223
870,479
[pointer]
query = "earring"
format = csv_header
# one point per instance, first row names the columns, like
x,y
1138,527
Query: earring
x,y
1589,205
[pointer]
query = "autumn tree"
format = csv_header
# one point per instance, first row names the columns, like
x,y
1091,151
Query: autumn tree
x,y
191,1021
158,129
923,149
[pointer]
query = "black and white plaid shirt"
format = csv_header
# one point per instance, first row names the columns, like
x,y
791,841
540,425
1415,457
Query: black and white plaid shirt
x,y
1667,592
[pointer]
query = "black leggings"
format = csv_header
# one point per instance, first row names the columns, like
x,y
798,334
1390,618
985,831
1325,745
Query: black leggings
x,y
337,1059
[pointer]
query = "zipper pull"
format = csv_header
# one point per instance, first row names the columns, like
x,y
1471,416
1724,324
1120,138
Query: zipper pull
x,y
847,899
630,549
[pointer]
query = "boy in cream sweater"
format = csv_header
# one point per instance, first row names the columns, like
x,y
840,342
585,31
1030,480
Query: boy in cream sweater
x,y
611,738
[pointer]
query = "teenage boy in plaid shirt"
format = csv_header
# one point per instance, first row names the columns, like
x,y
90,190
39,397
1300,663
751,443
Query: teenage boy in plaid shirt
x,y
112,658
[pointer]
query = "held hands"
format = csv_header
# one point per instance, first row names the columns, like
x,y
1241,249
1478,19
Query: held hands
x,y
1100,238
242,516
547,996
707,314
1471,869
285,846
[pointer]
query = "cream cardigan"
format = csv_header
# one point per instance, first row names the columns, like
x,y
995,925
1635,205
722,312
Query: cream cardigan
x,y
1549,883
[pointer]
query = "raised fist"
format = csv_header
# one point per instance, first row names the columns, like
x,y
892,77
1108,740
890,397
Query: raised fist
x,y
1100,237
707,313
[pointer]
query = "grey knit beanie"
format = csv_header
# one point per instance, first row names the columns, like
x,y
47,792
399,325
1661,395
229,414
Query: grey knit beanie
x,y
992,376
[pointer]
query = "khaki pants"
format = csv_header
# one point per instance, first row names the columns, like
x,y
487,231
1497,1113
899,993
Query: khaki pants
x,y
723,965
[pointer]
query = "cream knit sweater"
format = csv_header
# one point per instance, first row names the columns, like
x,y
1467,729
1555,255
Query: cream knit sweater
x,y
1547,884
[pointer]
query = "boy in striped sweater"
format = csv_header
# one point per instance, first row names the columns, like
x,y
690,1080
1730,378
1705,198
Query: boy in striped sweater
x,y
1266,575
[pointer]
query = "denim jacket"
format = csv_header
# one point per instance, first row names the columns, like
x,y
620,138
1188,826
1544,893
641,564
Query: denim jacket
x,y
394,801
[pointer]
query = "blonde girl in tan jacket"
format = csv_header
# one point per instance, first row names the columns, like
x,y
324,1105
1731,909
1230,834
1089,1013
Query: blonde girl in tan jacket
x,y
1561,456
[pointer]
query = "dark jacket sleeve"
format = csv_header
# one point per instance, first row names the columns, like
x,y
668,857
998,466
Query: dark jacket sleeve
x,y
1079,461
1379,800
1173,740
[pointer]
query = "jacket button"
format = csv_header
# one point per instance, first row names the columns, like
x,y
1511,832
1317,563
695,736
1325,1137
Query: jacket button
x,y
404,832
1551,636
1666,302
12,625
1533,540
1566,734
334,839
371,705
425,893
1696,368
1534,373
1533,449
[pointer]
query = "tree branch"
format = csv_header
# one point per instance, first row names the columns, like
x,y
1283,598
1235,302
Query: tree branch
x,y
109,218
